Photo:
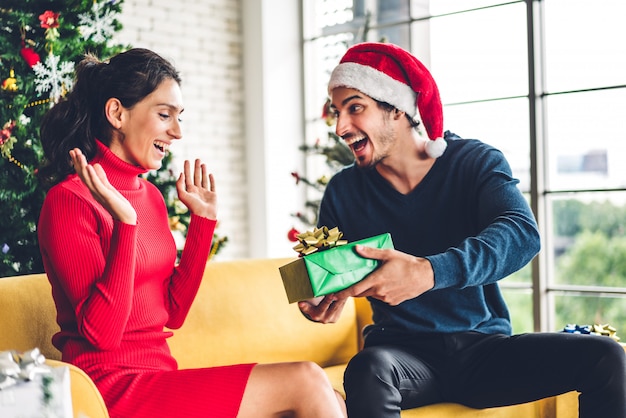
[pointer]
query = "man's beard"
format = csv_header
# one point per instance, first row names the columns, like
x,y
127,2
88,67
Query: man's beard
x,y
367,167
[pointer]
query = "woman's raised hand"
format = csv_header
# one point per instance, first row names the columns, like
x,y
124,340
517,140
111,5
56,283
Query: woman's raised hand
x,y
94,177
197,191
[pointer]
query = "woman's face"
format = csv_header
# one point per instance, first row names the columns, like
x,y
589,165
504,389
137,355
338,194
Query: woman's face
x,y
148,129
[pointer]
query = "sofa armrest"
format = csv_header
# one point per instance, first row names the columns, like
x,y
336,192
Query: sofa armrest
x,y
86,399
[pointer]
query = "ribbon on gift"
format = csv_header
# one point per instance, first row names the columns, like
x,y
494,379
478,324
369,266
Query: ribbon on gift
x,y
16,367
596,329
318,240
605,330
577,329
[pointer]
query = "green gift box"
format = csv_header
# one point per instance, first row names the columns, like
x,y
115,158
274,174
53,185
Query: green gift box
x,y
330,271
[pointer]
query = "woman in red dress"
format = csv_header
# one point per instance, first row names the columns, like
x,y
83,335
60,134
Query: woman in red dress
x,y
111,258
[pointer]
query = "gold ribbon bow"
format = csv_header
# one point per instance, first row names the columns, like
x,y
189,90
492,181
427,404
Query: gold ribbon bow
x,y
606,330
318,240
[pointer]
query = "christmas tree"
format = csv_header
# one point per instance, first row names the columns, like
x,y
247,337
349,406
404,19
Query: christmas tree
x,y
337,155
333,148
40,43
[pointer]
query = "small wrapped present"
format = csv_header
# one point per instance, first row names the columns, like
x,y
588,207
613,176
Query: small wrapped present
x,y
327,264
595,329
31,389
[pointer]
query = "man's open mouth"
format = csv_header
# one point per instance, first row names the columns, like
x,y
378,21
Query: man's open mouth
x,y
357,143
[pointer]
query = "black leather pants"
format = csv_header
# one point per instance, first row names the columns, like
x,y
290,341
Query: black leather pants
x,y
483,371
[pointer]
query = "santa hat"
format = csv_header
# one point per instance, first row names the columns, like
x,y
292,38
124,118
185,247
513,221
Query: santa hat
x,y
389,74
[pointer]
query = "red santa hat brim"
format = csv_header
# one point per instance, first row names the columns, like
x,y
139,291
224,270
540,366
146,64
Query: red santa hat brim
x,y
376,84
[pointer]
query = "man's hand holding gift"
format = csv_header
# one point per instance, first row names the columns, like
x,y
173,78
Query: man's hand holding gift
x,y
399,277
325,267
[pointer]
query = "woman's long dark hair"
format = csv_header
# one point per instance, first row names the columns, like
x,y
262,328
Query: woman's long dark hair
x,y
78,119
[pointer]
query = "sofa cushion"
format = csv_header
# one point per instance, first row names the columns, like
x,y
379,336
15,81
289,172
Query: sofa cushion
x,y
251,321
451,410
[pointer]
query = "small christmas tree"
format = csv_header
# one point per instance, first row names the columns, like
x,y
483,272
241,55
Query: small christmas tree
x,y
337,155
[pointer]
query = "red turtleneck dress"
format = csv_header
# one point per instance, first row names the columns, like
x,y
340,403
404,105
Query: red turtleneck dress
x,y
116,288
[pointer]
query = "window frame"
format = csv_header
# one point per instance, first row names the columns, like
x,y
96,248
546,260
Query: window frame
x,y
542,286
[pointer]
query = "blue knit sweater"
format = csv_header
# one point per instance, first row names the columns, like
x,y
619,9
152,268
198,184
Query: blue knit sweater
x,y
467,217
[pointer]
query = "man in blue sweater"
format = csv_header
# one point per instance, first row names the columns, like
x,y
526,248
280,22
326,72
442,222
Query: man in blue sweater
x,y
459,224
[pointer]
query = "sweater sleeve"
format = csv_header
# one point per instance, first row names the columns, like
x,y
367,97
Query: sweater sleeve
x,y
95,274
184,283
508,237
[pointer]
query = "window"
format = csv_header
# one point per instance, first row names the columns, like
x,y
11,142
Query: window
x,y
543,81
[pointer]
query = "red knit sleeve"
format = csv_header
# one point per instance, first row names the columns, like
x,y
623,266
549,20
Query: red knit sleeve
x,y
92,258
185,282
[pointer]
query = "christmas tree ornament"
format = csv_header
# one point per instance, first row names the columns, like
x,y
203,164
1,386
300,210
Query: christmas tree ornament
x,y
54,76
7,140
327,114
292,235
49,20
10,83
98,25
30,56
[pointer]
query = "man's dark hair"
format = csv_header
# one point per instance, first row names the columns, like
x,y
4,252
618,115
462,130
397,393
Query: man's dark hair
x,y
390,108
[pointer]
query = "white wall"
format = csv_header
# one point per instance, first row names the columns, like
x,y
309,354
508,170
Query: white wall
x,y
240,64
274,126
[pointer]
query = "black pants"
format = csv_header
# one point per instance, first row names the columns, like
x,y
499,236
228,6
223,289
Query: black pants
x,y
483,371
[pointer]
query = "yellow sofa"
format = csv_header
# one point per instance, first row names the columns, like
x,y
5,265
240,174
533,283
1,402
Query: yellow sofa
x,y
241,314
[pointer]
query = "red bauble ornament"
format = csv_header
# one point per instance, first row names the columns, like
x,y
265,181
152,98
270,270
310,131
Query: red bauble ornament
x,y
292,235
30,56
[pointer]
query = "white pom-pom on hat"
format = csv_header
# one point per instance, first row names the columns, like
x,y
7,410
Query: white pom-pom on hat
x,y
436,147
389,74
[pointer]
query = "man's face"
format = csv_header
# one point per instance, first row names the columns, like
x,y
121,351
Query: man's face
x,y
363,125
